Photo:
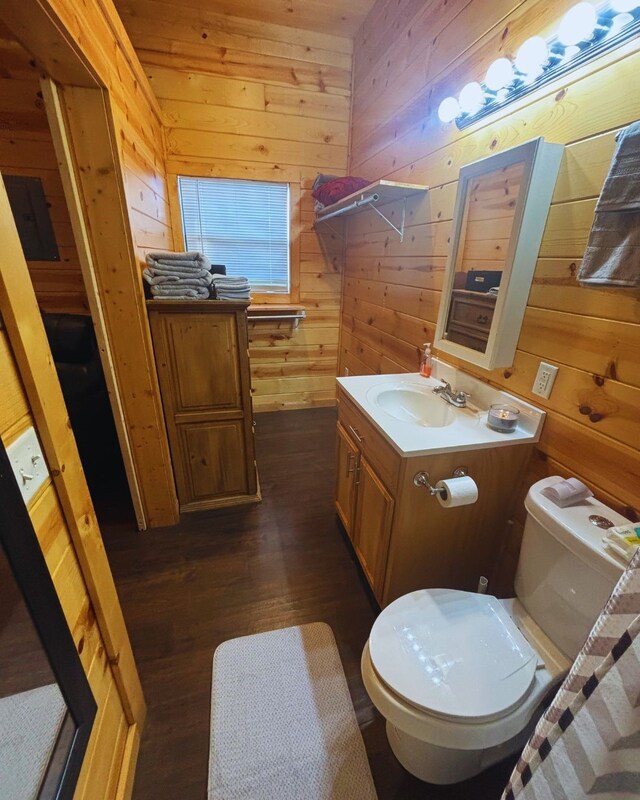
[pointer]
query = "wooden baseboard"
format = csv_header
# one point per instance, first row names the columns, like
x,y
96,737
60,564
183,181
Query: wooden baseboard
x,y
129,762
257,409
221,502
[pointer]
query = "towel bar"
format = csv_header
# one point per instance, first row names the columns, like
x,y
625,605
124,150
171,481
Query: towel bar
x,y
295,318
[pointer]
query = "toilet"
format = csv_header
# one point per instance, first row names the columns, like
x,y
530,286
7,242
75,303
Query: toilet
x,y
462,678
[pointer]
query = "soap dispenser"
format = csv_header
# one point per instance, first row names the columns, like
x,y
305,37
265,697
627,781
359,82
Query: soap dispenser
x,y
426,361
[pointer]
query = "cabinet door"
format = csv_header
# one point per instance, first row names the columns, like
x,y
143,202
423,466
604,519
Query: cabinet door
x,y
213,461
345,479
203,362
373,526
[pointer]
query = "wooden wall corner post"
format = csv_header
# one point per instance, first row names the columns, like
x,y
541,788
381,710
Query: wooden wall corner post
x,y
21,315
92,137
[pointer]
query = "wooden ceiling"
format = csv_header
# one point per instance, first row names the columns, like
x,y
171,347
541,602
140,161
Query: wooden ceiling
x,y
336,17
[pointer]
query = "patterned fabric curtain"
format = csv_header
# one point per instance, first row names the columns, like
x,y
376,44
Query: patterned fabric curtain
x,y
587,744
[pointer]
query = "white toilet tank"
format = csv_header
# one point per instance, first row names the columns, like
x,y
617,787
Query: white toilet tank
x,y
565,575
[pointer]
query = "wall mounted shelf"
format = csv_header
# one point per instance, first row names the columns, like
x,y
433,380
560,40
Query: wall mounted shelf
x,y
376,194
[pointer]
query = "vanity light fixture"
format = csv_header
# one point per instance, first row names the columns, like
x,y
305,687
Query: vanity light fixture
x,y
585,32
578,25
499,75
471,98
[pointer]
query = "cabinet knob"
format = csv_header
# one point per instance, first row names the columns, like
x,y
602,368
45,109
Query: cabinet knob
x,y
482,319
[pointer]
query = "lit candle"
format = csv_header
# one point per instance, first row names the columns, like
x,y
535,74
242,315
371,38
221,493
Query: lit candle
x,y
503,418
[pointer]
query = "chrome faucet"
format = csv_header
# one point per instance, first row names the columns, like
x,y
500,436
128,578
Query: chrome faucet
x,y
457,399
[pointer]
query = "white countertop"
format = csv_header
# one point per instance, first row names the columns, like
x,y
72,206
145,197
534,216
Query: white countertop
x,y
468,431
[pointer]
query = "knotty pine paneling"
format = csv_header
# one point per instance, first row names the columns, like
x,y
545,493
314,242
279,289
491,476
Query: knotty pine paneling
x,y
323,17
104,758
242,98
26,148
56,32
408,56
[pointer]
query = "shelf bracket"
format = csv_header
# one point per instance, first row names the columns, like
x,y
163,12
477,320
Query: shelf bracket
x,y
400,230
331,228
294,318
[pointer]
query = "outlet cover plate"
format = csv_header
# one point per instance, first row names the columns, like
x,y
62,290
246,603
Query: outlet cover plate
x,y
545,378
28,464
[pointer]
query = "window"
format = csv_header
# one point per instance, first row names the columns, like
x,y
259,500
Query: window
x,y
241,224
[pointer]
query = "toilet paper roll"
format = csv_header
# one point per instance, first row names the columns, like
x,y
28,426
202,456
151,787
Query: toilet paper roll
x,y
458,492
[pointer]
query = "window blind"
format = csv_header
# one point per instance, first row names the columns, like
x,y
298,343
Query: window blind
x,y
241,224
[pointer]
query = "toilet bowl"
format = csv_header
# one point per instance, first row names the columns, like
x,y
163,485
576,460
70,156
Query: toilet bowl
x,y
459,684
462,678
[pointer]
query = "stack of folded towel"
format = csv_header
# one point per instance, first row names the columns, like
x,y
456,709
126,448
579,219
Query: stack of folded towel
x,y
179,276
229,287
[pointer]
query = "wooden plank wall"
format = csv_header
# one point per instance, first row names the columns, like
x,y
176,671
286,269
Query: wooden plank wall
x,y
411,54
247,99
106,58
103,764
26,148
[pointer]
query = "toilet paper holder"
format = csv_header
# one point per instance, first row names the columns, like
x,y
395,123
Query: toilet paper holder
x,y
422,479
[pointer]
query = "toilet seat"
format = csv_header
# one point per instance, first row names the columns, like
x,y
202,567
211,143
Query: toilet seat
x,y
454,655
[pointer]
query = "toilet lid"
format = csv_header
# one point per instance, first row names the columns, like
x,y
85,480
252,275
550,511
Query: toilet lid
x,y
454,654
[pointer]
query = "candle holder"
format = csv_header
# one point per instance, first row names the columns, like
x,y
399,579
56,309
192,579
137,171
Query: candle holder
x,y
503,418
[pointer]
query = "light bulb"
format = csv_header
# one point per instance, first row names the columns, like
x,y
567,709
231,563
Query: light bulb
x,y
578,24
619,22
471,98
623,6
499,74
570,52
532,55
449,109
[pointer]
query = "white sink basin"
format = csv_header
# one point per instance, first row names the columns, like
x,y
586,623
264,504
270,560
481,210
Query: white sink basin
x,y
413,405
417,422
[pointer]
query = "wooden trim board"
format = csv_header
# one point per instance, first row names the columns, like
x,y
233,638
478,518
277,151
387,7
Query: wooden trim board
x,y
21,315
63,147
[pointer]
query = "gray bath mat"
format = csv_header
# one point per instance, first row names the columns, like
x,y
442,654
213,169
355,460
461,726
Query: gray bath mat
x,y
282,723
29,726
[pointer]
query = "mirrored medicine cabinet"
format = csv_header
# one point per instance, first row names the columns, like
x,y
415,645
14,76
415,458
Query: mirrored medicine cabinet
x,y
501,209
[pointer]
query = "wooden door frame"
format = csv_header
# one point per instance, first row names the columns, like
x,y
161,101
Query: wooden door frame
x,y
44,27
64,153
28,339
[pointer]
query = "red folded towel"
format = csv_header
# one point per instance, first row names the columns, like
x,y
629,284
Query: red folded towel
x,y
337,189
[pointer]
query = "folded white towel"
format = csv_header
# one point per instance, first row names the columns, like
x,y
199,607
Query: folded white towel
x,y
190,256
567,492
224,280
155,279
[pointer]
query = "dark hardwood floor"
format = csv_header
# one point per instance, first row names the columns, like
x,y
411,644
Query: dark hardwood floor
x,y
184,590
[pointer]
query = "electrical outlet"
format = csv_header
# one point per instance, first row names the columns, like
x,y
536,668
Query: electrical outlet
x,y
545,378
28,464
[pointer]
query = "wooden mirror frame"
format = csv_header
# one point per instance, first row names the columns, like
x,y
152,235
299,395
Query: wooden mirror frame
x,y
20,544
542,163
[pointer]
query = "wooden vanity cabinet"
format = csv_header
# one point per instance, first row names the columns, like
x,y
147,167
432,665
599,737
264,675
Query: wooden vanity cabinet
x,y
348,457
365,507
201,350
374,516
403,538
